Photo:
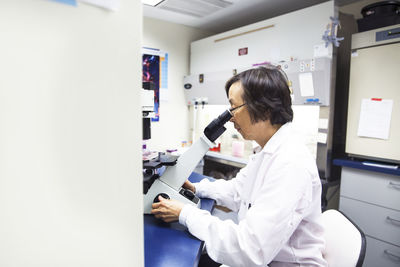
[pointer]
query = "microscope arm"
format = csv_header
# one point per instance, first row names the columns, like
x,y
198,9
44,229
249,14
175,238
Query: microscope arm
x,y
176,175
170,183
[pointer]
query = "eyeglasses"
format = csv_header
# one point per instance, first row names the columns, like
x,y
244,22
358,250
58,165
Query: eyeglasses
x,y
231,110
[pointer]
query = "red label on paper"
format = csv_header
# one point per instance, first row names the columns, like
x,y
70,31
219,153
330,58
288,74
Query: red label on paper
x,y
376,99
243,51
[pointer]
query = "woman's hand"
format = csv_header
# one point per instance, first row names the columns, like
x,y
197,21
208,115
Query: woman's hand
x,y
189,185
167,210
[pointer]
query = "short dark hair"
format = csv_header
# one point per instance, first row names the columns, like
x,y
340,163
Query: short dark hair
x,y
266,94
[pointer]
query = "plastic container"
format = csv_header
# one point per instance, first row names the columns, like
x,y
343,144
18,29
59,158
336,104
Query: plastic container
x,y
378,15
237,148
381,9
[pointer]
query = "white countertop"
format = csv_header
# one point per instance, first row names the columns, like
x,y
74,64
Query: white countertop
x,y
228,157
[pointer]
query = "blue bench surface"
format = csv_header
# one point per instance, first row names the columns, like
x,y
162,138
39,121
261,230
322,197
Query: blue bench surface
x,y
170,244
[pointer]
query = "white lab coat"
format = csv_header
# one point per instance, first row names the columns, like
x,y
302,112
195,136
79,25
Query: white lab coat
x,y
278,200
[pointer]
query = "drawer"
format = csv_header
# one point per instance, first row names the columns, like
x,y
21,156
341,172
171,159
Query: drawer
x,y
381,254
378,222
373,187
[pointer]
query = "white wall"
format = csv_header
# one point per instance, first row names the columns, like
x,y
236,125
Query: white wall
x,y
293,35
174,39
70,161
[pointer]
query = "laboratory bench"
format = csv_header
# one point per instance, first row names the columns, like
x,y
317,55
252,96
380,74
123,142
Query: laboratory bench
x,y
222,165
227,158
170,244
370,196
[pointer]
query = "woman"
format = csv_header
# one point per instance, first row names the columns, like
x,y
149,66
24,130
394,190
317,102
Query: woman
x,y
277,195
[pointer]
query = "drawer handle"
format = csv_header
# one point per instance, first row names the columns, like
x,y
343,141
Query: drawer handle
x,y
392,220
391,254
395,185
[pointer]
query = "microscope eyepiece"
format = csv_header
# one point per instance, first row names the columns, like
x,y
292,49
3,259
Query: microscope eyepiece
x,y
216,127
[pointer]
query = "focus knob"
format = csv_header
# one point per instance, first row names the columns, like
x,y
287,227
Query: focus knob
x,y
189,194
164,195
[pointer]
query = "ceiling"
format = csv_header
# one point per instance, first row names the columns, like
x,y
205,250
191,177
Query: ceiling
x,y
222,15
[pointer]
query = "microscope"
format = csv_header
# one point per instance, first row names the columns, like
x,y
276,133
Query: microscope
x,y
169,183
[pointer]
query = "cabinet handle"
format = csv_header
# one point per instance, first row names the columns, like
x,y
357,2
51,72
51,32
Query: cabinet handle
x,y
395,185
392,220
391,254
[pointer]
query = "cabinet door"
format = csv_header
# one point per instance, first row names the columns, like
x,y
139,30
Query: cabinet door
x,y
374,73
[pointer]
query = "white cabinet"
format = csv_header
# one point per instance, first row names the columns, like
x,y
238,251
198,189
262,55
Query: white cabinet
x,y
372,201
288,36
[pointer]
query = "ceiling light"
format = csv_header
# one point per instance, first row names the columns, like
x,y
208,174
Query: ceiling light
x,y
152,2
194,8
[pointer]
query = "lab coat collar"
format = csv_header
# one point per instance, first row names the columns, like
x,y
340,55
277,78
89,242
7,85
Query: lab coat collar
x,y
277,139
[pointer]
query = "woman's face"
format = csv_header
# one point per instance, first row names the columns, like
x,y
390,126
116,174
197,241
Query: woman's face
x,y
241,117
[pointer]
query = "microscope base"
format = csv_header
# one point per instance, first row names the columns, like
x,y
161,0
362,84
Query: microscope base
x,y
159,187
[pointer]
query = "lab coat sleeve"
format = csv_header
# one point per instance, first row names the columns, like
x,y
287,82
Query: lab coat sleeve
x,y
225,193
281,204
